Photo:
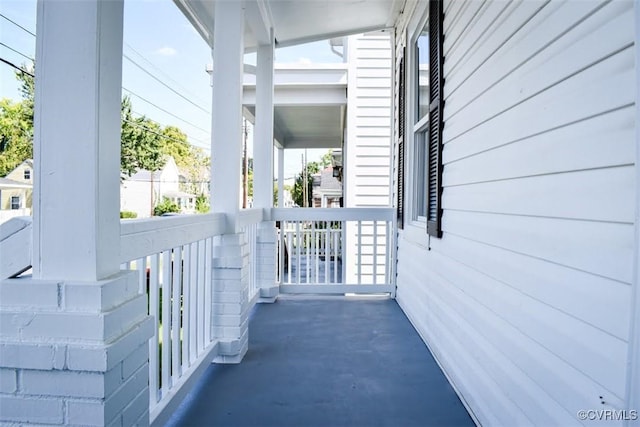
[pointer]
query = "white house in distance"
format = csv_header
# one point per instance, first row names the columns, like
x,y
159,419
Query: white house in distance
x,y
515,232
143,190
16,192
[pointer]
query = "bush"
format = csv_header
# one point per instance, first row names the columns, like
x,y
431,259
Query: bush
x,y
165,206
128,215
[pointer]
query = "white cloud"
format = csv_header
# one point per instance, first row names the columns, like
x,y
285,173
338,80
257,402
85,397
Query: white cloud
x,y
304,61
166,51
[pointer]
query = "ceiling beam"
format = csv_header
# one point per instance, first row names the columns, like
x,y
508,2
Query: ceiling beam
x,y
258,16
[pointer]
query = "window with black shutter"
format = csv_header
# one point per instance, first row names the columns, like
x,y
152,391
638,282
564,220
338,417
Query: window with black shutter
x,y
436,106
401,139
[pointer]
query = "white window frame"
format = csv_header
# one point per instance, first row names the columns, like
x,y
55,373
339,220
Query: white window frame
x,y
414,189
25,173
19,204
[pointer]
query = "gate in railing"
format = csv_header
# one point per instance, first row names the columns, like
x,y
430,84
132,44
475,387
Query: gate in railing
x,y
336,250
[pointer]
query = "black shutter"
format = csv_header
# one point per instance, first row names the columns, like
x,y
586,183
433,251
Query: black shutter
x,y
436,106
401,138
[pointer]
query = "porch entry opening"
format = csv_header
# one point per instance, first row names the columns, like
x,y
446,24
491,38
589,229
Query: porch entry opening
x,y
335,251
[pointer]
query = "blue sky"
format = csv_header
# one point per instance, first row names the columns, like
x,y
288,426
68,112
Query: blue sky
x,y
160,39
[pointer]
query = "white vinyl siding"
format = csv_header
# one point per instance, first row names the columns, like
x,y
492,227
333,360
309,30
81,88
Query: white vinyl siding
x,y
368,137
525,301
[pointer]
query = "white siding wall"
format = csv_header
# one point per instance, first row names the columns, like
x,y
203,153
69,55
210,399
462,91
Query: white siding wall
x,y
525,301
368,137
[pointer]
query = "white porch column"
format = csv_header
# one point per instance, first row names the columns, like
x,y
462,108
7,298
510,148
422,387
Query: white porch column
x,y
74,339
263,131
266,244
281,177
230,280
226,131
76,201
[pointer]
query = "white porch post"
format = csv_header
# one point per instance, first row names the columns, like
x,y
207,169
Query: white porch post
x,y
77,140
73,339
263,172
230,279
226,131
263,132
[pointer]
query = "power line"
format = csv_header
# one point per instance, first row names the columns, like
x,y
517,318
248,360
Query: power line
x,y
11,64
165,75
138,125
190,137
17,51
164,84
18,25
163,110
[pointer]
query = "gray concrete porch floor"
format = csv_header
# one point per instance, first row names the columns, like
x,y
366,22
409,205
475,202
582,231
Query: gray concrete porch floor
x,y
326,362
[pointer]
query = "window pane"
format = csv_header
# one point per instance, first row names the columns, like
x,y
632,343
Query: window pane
x,y
420,176
422,72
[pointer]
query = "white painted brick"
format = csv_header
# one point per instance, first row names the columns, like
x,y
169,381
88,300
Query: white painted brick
x,y
127,392
135,360
100,296
77,325
228,285
120,320
64,383
102,358
8,381
231,262
26,292
27,356
59,356
234,347
50,326
231,359
230,250
229,273
228,296
229,239
226,319
31,410
86,413
136,408
230,308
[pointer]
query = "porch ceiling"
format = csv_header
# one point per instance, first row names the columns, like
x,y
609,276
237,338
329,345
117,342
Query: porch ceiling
x,y
296,21
309,104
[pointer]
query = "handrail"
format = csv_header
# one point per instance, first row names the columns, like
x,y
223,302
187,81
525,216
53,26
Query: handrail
x,y
143,237
332,214
247,217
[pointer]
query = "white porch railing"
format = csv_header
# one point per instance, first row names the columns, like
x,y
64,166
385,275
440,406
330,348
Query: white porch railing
x,y
336,250
173,257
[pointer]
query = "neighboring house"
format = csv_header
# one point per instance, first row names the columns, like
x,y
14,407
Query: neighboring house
x,y
142,191
14,196
16,191
327,189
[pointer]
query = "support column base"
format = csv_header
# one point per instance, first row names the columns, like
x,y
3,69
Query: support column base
x,y
74,353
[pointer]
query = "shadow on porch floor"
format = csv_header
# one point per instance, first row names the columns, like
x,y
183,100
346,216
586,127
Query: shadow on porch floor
x,y
326,362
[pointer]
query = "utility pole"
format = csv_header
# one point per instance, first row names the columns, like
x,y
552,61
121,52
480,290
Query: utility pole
x,y
245,165
305,182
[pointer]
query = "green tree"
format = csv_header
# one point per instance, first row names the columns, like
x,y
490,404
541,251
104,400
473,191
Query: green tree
x,y
166,206
16,134
16,126
202,204
141,143
297,193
